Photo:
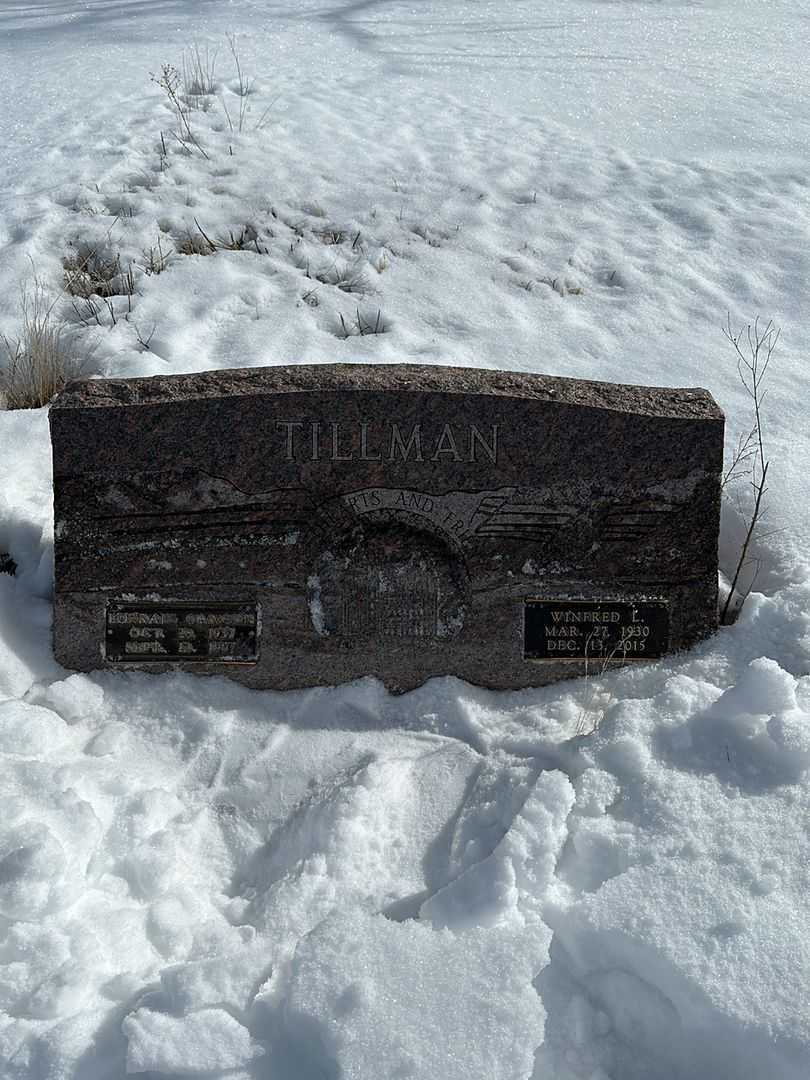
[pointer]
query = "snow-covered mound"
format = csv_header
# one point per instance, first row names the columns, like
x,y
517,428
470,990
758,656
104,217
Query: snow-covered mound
x,y
196,878
601,880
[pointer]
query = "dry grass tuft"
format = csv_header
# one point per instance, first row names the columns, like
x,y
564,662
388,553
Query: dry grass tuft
x,y
348,277
36,365
331,236
200,243
194,243
363,324
199,80
155,258
91,272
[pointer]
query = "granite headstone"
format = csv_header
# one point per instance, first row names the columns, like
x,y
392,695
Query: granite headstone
x,y
302,525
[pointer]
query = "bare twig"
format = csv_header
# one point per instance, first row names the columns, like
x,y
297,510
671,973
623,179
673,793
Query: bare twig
x,y
754,346
145,341
262,121
740,465
245,85
169,81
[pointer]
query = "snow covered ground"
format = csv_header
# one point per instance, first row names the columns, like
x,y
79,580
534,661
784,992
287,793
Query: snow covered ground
x,y
197,879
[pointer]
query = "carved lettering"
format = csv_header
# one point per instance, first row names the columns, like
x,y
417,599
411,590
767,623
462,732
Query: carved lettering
x,y
446,444
290,426
144,647
452,514
574,615
364,454
336,454
363,500
414,500
453,522
478,440
350,441
404,449
212,618
142,618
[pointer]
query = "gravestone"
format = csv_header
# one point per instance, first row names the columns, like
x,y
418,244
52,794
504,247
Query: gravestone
x,y
295,526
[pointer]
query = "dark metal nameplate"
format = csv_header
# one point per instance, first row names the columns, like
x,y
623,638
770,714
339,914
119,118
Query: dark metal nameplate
x,y
602,630
174,631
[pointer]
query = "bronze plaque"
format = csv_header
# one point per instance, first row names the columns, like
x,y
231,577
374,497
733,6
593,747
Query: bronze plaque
x,y
604,630
163,631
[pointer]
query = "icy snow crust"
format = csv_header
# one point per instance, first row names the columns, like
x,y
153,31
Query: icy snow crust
x,y
602,880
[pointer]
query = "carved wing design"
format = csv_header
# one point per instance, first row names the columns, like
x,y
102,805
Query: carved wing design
x,y
506,516
144,504
633,521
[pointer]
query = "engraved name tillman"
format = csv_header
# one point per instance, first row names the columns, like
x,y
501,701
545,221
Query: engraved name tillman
x,y
362,440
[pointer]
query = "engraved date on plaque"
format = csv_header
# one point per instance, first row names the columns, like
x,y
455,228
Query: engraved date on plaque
x,y
602,630
175,631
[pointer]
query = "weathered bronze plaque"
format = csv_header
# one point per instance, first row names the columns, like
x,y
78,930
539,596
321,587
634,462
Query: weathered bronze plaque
x,y
601,630
181,632
397,521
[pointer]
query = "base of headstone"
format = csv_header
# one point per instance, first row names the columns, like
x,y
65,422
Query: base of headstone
x,y
492,651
